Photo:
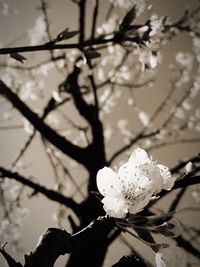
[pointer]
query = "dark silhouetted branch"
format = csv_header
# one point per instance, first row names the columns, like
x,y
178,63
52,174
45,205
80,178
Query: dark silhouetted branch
x,y
130,261
55,242
95,13
188,246
60,142
187,181
177,199
11,262
50,194
82,20
183,163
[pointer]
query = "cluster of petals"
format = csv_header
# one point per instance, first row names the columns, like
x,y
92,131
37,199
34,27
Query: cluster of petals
x,y
131,188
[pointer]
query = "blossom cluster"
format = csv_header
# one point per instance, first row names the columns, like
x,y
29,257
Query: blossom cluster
x,y
131,188
12,214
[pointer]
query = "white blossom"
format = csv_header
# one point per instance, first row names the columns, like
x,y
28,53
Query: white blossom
x,y
122,126
156,24
28,91
144,118
127,4
184,59
109,26
186,105
38,32
130,102
101,73
28,128
11,190
108,132
188,167
180,114
6,116
130,189
45,68
114,57
56,96
171,256
53,120
148,59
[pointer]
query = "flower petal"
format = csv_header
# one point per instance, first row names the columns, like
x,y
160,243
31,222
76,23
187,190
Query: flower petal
x,y
139,156
108,182
139,204
168,179
115,207
153,172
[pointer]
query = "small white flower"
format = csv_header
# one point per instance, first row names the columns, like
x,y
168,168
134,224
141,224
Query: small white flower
x,y
188,167
28,128
38,32
171,256
184,59
127,4
130,189
144,118
56,96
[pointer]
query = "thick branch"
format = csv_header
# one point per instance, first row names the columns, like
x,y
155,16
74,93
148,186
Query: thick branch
x,y
82,20
60,142
187,181
188,246
11,262
95,13
130,261
55,242
177,199
50,194
71,85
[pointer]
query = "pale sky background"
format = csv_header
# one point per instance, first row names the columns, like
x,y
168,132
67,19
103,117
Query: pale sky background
x,y
14,26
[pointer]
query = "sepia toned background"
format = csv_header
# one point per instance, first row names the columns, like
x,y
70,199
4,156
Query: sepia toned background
x,y
17,19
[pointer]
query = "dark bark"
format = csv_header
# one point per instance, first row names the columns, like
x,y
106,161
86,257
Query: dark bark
x,y
130,261
53,137
55,242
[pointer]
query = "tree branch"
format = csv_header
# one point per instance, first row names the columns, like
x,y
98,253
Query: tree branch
x,y
60,142
82,20
95,13
138,137
11,262
183,163
55,242
187,181
50,194
188,246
